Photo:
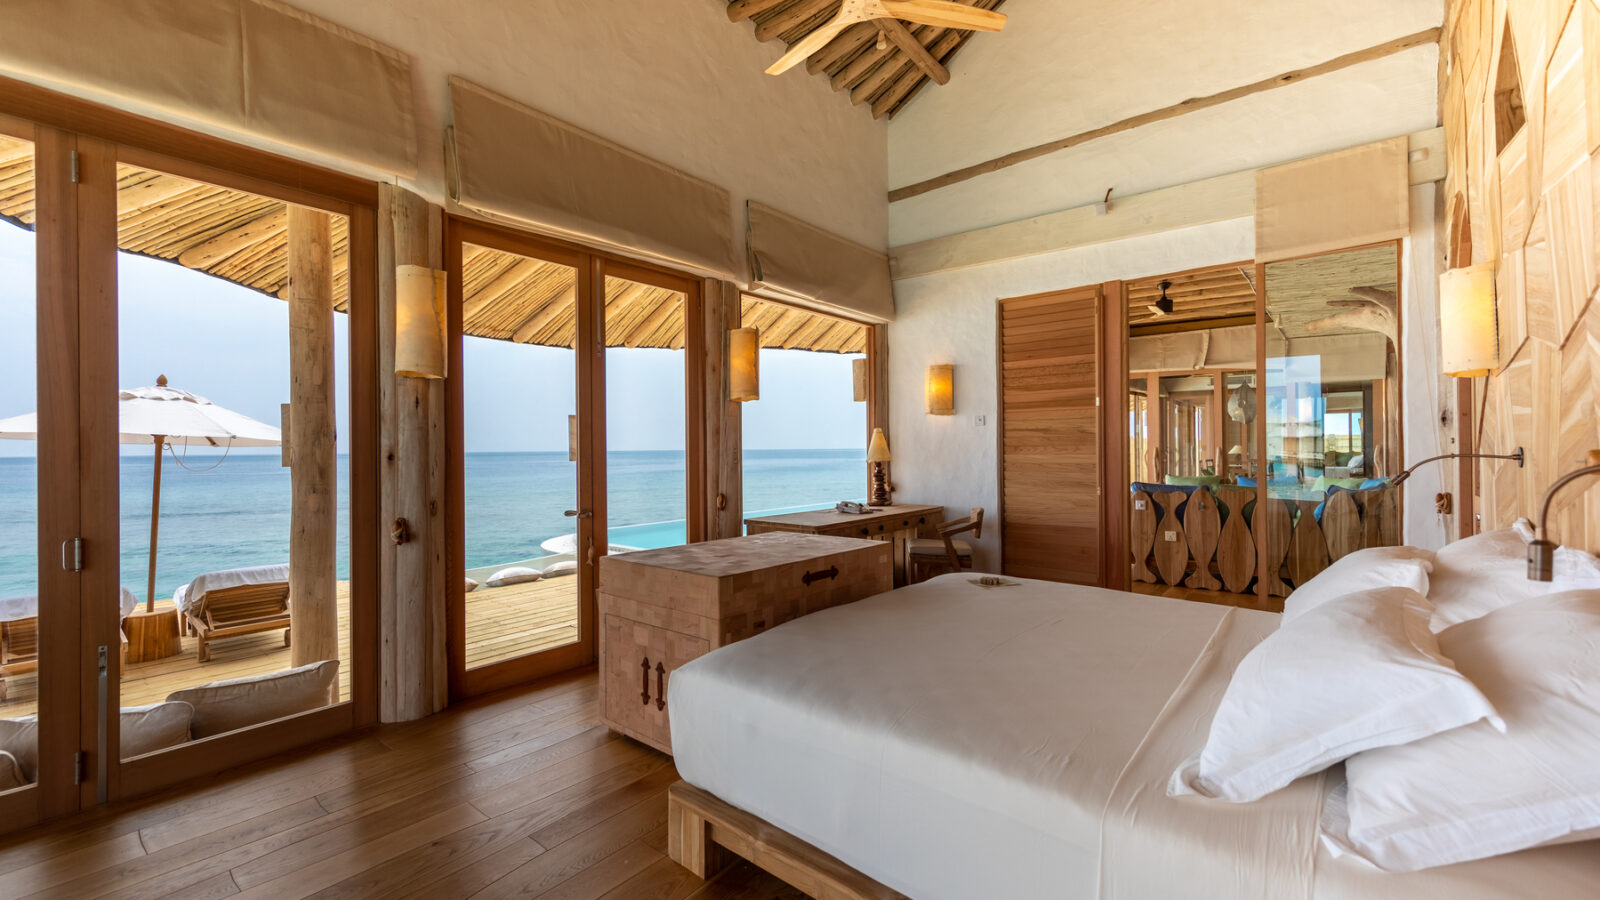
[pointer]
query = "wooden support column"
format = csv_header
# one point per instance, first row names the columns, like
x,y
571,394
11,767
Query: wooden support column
x,y
313,523
724,464
878,398
414,680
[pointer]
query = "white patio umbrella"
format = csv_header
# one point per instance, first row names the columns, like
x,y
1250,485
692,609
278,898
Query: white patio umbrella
x,y
165,417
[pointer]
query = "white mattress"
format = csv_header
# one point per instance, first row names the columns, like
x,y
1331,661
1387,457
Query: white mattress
x,y
953,741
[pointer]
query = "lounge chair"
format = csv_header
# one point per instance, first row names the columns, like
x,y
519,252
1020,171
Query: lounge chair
x,y
19,633
234,603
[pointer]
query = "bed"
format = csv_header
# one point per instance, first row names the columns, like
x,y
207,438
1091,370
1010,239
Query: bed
x,y
947,740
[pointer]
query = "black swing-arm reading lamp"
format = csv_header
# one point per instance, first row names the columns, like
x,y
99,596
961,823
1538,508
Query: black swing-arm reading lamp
x,y
1518,456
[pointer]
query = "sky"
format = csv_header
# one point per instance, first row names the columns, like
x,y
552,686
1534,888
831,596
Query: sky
x,y
230,345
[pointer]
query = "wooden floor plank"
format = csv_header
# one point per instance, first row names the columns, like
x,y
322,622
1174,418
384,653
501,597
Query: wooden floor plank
x,y
523,793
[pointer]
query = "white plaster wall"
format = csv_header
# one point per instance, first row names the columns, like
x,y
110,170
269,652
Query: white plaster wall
x,y
1423,388
950,318
1381,99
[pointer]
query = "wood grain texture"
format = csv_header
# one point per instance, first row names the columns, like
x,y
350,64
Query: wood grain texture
x,y
1543,397
1172,542
1143,533
1051,523
1236,549
523,793
1202,527
1308,549
1277,536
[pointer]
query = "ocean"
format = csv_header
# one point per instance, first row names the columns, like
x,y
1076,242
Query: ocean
x,y
237,514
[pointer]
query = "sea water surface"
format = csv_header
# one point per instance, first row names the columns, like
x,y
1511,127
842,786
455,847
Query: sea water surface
x,y
227,513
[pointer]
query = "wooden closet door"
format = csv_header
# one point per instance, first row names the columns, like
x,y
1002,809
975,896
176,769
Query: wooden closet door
x,y
1051,519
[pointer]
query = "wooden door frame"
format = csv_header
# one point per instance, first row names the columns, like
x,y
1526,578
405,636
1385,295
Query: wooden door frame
x,y
592,267
76,296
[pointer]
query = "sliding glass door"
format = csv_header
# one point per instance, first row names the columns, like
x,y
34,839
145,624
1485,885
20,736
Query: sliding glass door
x,y
570,411
186,581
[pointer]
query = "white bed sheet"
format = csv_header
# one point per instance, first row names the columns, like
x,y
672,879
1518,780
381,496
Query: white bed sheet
x,y
958,742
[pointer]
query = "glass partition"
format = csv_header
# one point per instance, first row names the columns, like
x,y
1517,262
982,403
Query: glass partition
x,y
1332,411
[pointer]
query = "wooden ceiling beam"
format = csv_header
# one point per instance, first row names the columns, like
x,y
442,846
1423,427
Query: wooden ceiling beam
x,y
790,16
900,36
860,67
849,41
894,97
739,10
1379,51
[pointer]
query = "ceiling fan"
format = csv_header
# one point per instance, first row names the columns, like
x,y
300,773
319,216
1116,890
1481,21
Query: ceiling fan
x,y
938,13
1163,306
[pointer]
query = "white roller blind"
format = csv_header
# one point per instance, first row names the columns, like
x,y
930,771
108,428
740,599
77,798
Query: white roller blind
x,y
255,67
818,268
1330,202
513,161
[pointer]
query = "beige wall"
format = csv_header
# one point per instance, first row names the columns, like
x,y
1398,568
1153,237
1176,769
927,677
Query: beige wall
x,y
1533,208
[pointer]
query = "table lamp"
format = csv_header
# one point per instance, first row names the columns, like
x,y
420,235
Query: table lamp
x,y
878,454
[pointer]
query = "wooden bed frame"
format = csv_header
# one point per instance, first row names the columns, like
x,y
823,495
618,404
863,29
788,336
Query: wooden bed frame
x,y
704,835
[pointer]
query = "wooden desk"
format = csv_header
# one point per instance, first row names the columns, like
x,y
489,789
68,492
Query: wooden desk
x,y
898,523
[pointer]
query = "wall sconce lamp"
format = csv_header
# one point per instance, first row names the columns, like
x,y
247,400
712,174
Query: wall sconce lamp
x,y
419,322
744,365
877,455
1542,551
1469,334
1400,479
941,390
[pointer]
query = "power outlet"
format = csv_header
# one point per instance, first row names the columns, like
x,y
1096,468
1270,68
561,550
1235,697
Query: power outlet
x,y
980,421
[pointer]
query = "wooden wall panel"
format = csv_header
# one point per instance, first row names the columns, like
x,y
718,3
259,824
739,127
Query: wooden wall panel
x,y
1533,211
1051,524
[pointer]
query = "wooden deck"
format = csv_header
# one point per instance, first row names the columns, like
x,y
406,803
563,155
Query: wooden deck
x,y
501,623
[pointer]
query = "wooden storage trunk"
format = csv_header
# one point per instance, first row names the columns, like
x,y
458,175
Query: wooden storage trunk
x,y
661,608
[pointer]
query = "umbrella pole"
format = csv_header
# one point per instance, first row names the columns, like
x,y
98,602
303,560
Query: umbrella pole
x,y
155,521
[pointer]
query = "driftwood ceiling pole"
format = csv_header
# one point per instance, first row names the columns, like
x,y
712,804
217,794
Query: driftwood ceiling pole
x,y
313,526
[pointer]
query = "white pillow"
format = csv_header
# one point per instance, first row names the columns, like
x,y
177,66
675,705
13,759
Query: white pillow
x,y
1356,672
472,585
1480,574
513,575
1374,567
569,567
1475,792
20,738
223,706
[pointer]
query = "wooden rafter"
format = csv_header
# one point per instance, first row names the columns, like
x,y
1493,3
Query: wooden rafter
x,y
882,63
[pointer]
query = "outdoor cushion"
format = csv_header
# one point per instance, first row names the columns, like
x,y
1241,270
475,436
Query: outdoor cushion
x,y
10,772
187,597
20,739
224,706
471,585
569,567
513,575
146,729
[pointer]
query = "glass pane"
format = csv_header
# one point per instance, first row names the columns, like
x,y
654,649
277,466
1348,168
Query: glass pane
x,y
222,538
646,475
1190,425
521,471
805,440
19,479
1332,390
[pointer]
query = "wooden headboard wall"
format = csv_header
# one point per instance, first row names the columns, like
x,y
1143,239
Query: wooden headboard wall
x,y
1520,89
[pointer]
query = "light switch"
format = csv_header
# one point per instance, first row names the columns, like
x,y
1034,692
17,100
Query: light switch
x,y
1172,535
980,421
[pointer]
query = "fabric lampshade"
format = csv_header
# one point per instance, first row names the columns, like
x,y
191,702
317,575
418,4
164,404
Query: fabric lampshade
x,y
941,390
419,322
878,449
744,365
1468,328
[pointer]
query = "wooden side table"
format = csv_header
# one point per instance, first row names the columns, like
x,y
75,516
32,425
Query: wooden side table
x,y
898,523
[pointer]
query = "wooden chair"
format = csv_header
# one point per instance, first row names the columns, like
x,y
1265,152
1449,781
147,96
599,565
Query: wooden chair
x,y
936,556
237,611
19,649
